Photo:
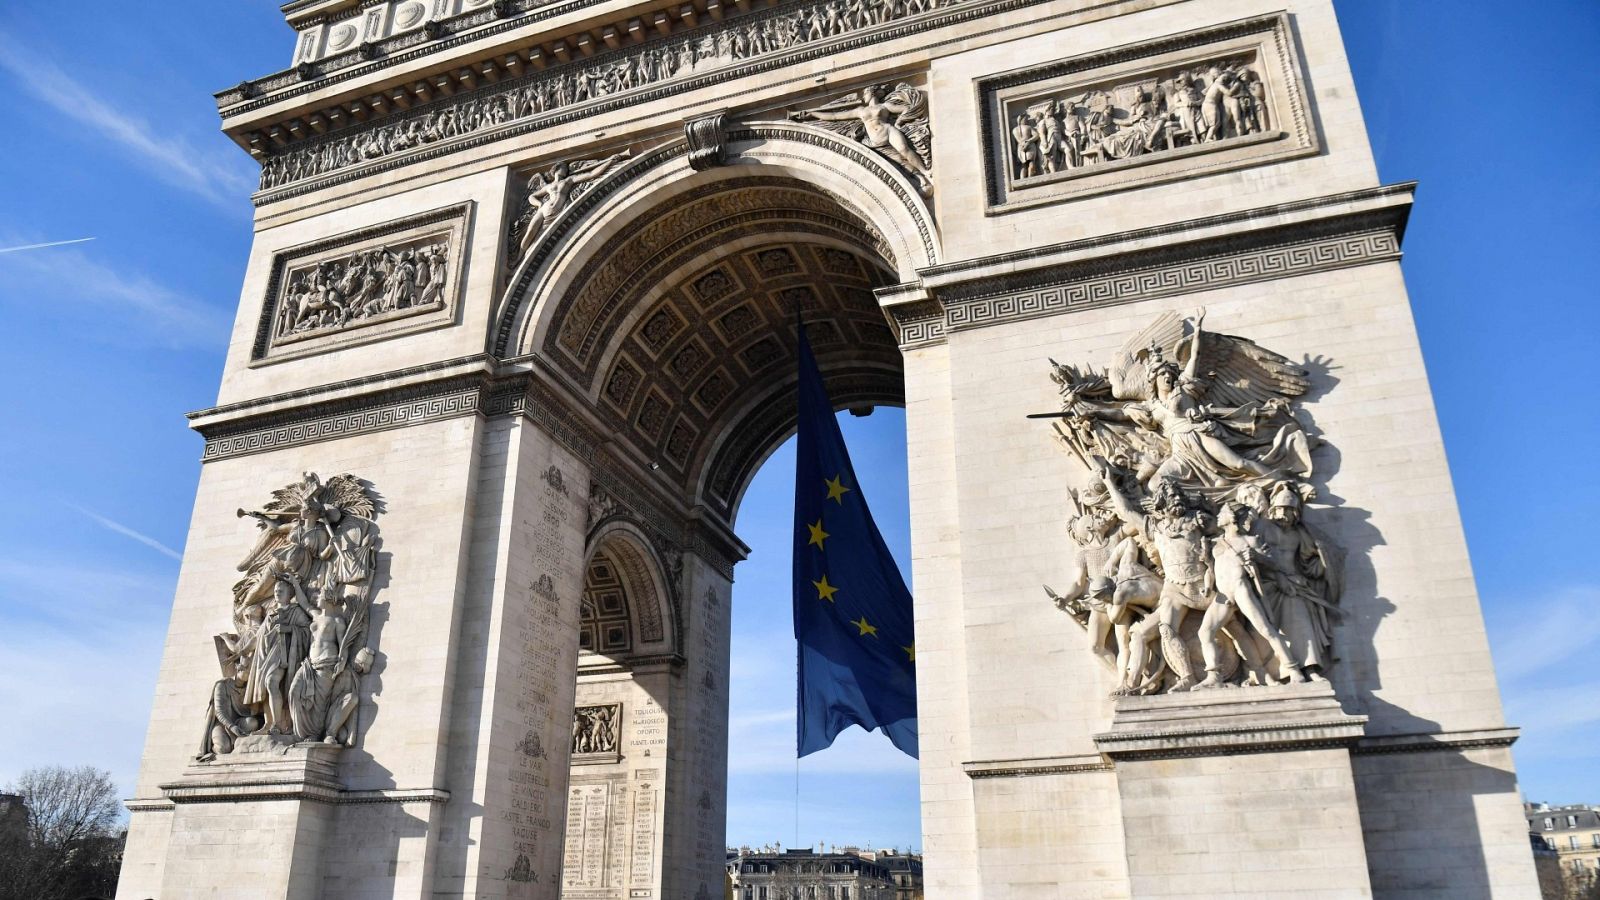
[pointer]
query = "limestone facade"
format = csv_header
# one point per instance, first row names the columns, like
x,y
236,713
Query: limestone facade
x,y
623,203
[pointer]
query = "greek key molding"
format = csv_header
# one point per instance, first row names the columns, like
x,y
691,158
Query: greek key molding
x,y
381,416
1183,278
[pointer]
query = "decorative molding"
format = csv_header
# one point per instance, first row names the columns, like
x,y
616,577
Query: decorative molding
x,y
377,283
707,139
427,128
1280,241
383,413
1086,289
918,324
1440,741
1027,768
1175,108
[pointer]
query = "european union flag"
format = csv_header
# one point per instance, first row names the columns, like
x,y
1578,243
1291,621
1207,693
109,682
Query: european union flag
x,y
852,612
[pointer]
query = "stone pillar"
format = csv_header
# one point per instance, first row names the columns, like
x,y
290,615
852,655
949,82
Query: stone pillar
x,y
1239,793
516,670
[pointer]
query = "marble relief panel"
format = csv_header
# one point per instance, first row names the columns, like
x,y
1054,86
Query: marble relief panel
x,y
1174,108
396,278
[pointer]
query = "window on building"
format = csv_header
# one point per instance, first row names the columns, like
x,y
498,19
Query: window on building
x,y
1572,842
1596,839
1549,824
844,892
1572,821
761,893
1577,865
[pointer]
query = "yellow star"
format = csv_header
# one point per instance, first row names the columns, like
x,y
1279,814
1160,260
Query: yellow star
x,y
836,491
911,652
825,591
817,535
866,629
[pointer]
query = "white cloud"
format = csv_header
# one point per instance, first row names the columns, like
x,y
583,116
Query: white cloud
x,y
125,304
127,532
224,182
1531,636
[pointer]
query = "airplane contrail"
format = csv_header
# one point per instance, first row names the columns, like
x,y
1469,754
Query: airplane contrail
x,y
42,246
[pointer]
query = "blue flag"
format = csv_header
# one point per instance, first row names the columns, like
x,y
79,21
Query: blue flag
x,y
852,612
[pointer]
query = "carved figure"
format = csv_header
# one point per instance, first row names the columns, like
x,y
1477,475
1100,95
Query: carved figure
x,y
1205,467
337,293
894,123
594,729
227,717
552,191
1026,139
292,667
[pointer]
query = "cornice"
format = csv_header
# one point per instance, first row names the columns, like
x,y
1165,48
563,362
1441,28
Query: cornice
x,y
1433,742
1266,243
320,163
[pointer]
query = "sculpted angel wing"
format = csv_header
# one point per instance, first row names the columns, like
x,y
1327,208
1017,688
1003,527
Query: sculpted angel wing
x,y
912,106
346,493
1241,372
1127,372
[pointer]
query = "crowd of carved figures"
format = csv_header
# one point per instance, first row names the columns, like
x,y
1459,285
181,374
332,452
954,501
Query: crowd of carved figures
x,y
1203,105
293,662
579,82
1195,565
594,729
369,283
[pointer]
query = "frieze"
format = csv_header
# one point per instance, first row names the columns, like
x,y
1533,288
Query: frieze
x,y
1190,104
704,55
380,282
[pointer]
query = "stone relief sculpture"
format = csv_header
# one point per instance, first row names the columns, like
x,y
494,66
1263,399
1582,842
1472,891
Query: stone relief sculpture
x,y
1194,567
892,122
594,729
365,286
292,665
712,46
552,191
1198,105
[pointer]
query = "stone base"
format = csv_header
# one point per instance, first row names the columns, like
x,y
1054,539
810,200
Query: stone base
x,y
1233,719
252,823
1244,792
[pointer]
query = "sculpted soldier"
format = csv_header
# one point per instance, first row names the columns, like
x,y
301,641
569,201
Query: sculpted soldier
x,y
1237,556
1179,536
227,717
1304,582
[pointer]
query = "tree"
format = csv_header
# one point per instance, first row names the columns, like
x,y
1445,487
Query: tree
x,y
65,844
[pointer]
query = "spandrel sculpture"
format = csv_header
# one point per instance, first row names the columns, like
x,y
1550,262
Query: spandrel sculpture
x,y
293,663
893,122
1194,568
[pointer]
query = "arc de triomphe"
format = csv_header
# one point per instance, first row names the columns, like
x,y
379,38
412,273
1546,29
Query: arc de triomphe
x,y
517,330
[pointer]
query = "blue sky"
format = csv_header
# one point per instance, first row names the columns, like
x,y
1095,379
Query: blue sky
x,y
111,134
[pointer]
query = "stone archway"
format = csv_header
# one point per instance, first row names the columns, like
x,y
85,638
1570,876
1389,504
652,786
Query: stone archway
x,y
663,303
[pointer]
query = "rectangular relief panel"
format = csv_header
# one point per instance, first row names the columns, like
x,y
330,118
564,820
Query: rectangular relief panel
x,y
1180,107
397,278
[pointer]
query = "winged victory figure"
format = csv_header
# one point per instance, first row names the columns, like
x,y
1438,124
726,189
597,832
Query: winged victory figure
x,y
292,664
1190,537
892,122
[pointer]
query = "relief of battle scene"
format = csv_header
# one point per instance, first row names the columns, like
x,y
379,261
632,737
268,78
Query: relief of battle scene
x,y
367,286
1207,103
1198,560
